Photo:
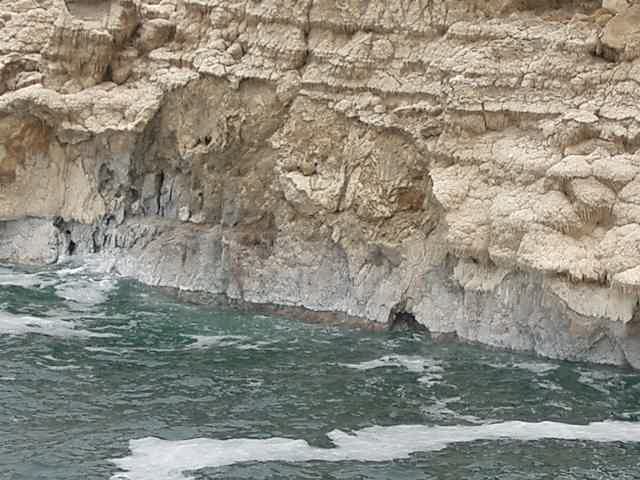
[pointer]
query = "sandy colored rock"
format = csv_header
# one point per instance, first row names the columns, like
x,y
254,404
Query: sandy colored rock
x,y
621,35
616,6
473,163
155,33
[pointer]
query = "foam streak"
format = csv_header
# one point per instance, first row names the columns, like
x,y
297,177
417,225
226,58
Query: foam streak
x,y
156,459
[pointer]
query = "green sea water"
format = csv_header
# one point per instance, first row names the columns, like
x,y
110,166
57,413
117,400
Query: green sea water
x,y
103,378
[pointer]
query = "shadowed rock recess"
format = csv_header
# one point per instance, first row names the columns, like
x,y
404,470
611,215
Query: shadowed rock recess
x,y
471,166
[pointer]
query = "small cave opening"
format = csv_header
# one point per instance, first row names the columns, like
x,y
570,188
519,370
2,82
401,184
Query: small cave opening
x,y
58,222
108,74
66,242
400,319
71,245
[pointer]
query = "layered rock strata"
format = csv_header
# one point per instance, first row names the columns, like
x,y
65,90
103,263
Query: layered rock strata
x,y
470,164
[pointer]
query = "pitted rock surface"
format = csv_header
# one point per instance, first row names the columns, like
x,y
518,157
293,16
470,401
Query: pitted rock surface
x,y
475,162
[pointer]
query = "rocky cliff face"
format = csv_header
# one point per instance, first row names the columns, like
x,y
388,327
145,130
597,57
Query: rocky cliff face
x,y
472,164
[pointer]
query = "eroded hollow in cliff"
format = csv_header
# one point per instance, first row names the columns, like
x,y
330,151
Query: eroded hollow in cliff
x,y
582,6
71,245
401,319
89,10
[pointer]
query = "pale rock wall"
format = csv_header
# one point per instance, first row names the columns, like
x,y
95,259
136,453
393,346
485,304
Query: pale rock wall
x,y
473,163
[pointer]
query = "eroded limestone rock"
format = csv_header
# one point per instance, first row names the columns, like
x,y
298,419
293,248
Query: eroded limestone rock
x,y
475,163
621,34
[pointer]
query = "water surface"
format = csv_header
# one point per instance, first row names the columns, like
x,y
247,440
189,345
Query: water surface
x,y
103,378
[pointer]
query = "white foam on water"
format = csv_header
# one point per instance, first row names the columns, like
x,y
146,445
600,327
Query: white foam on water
x,y
255,383
559,405
155,459
439,411
86,291
51,358
60,367
598,380
95,263
431,379
547,385
54,327
256,345
108,351
208,341
536,367
411,363
63,272
630,415
12,278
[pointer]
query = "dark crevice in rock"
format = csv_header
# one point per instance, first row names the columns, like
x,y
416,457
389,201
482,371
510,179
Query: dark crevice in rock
x,y
606,53
98,240
159,185
108,74
401,319
58,222
71,245
66,244
105,179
